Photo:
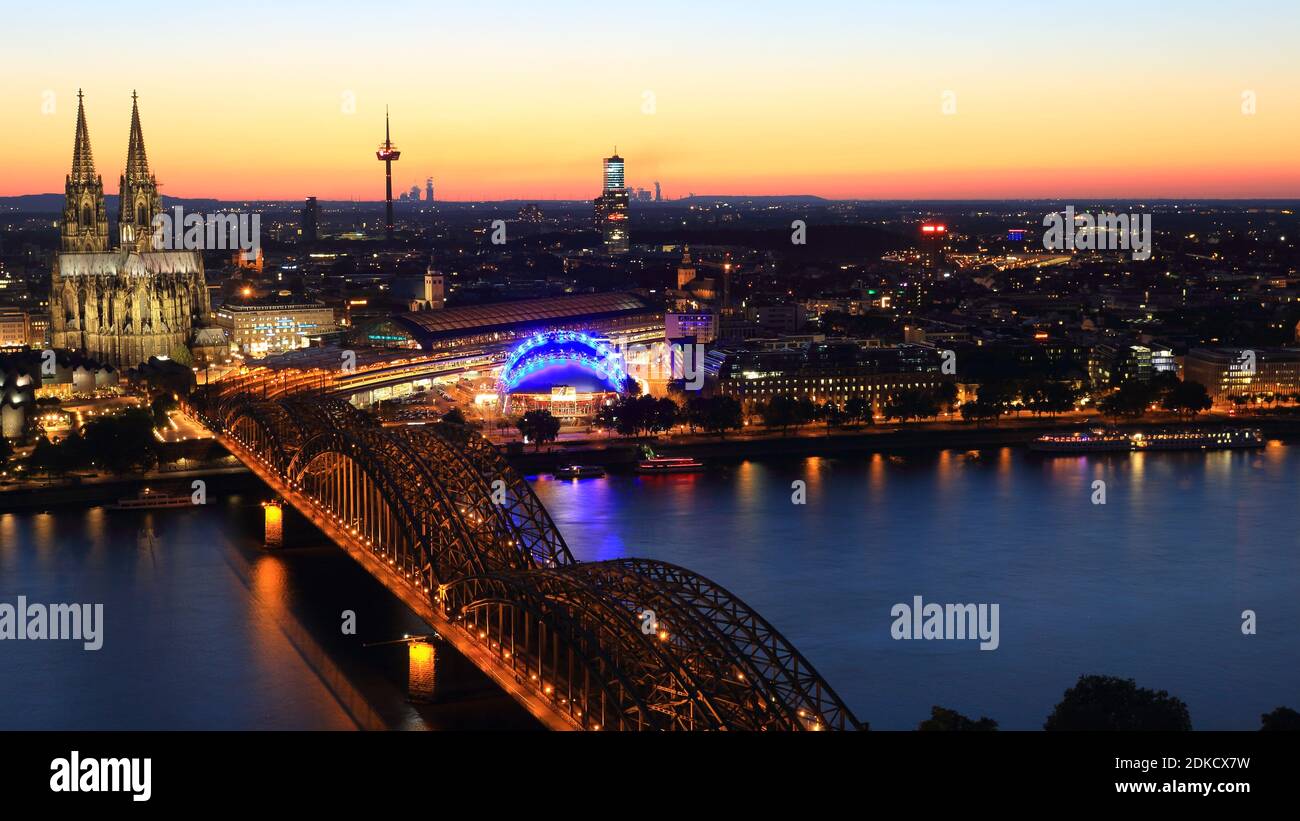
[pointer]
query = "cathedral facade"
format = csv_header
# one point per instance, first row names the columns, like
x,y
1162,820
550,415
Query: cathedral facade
x,y
121,304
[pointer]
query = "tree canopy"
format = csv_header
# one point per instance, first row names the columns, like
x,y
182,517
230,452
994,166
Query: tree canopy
x,y
1110,703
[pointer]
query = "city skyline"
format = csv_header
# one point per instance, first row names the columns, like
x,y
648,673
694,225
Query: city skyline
x,y
832,102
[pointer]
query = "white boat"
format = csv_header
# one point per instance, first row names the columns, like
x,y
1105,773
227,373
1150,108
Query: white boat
x,y
149,499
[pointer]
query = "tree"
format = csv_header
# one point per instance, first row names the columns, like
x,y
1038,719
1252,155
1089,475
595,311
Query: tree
x,y
606,418
1130,400
454,417
631,387
717,414
1059,398
6,452
122,444
1110,703
161,405
943,719
538,427
181,356
634,415
1283,718
997,396
45,458
1187,398
915,403
780,412
946,395
858,409
724,414
831,414
659,414
978,412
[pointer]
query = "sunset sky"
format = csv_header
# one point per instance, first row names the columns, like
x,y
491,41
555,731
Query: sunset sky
x,y
499,100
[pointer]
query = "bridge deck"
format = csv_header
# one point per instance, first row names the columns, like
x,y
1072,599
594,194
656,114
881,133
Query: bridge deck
x,y
505,677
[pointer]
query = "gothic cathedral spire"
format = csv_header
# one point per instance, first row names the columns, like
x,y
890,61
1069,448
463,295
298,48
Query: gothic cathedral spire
x,y
138,201
85,221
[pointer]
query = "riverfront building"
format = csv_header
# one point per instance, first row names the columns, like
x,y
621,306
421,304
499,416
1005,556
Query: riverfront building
x,y
834,371
1231,373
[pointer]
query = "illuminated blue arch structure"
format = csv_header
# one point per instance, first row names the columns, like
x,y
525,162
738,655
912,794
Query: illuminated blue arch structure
x,y
563,350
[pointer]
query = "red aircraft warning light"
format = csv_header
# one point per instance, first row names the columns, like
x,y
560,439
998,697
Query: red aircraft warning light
x,y
387,151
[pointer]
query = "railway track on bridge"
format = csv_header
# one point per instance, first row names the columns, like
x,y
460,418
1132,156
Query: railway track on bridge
x,y
441,519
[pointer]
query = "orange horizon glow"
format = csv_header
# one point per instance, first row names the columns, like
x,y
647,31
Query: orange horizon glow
x,y
836,101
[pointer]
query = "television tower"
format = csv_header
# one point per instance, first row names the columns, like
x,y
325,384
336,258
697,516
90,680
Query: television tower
x,y
388,154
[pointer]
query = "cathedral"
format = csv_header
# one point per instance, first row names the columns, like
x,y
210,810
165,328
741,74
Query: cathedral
x,y
121,304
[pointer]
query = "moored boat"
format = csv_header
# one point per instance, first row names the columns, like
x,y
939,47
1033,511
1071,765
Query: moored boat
x,y
149,499
666,464
1102,440
1198,439
579,472
1096,440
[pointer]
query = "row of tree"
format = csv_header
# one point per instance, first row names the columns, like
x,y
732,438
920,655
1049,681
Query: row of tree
x,y
635,415
1133,399
1108,703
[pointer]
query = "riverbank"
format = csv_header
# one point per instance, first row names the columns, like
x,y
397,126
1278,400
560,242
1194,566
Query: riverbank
x,y
108,489
622,454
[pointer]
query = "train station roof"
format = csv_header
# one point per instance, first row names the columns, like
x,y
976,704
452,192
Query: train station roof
x,y
504,316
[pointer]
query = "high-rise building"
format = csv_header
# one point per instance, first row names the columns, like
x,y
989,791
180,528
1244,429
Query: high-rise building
x,y
612,208
121,306
310,221
388,154
428,189
659,197
933,244
614,173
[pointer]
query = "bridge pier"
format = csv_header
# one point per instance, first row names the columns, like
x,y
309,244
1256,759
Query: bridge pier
x,y
274,524
422,669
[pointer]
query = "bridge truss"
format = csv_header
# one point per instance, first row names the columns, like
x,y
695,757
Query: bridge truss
x,y
441,518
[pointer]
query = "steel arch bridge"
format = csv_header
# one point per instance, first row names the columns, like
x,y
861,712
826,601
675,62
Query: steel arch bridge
x,y
439,516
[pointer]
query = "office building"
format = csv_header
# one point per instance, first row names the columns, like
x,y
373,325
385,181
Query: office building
x,y
1233,373
612,208
260,327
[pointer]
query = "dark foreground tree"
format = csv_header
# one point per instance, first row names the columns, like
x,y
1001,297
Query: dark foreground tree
x,y
1110,703
1283,718
944,720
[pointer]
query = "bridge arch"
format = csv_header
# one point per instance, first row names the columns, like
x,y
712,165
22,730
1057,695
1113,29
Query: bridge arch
x,y
457,528
691,655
